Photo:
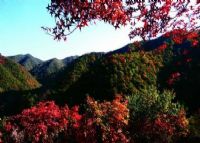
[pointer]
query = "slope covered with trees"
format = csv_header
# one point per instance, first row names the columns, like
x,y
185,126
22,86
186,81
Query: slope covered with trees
x,y
129,69
15,77
42,70
146,92
109,75
157,98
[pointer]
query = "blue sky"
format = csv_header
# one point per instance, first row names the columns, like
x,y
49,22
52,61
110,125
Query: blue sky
x,y
21,33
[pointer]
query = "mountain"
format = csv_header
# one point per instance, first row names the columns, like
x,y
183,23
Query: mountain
x,y
103,76
125,71
68,60
39,68
149,45
48,68
15,77
128,70
28,61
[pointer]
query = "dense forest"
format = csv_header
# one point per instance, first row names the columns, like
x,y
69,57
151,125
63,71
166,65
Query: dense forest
x,y
147,91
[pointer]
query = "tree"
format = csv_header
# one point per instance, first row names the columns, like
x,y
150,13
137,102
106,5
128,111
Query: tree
x,y
147,18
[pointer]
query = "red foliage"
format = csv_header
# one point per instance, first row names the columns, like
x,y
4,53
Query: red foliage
x,y
166,127
185,56
195,43
162,47
180,35
104,122
155,16
44,123
40,123
122,59
2,60
173,77
188,60
137,44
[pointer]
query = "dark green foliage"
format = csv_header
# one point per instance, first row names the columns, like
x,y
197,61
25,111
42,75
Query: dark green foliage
x,y
122,73
66,81
149,102
145,107
195,126
13,102
185,63
104,77
74,71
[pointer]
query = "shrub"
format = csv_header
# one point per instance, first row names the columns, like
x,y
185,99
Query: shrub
x,y
105,122
48,123
194,121
41,123
155,118
152,118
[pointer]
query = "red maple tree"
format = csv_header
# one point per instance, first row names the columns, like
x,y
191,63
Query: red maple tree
x,y
147,18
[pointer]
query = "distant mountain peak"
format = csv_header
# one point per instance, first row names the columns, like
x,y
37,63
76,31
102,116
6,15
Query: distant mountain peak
x,y
27,60
39,68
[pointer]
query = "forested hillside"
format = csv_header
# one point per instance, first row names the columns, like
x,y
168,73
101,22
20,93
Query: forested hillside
x,y
149,89
15,77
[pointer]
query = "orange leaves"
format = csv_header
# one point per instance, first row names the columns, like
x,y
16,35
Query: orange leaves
x,y
111,119
117,108
182,120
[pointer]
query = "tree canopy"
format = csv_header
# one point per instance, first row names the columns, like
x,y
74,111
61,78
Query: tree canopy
x,y
147,18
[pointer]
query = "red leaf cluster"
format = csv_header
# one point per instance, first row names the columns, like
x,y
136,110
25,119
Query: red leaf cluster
x,y
146,18
106,122
173,77
179,36
2,59
46,122
109,120
165,126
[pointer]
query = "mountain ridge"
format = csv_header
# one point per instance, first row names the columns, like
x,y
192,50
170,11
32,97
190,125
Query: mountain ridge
x,y
41,69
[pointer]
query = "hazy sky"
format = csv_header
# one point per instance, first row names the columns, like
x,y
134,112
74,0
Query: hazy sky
x,y
21,33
